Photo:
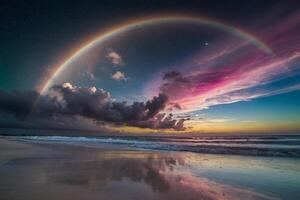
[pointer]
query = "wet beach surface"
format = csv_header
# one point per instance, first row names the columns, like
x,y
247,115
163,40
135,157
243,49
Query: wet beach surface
x,y
56,171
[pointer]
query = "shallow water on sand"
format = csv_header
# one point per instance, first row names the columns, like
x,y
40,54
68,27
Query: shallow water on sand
x,y
57,171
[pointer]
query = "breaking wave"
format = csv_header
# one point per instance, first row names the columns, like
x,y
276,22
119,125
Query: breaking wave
x,y
283,146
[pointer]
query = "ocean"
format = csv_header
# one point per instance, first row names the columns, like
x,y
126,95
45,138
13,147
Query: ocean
x,y
278,146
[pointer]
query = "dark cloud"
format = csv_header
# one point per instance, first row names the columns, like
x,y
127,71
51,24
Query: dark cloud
x,y
171,75
167,122
17,102
29,109
173,106
99,105
90,105
177,85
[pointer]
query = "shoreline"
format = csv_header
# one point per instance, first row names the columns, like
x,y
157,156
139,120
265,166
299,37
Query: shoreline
x,y
100,172
284,146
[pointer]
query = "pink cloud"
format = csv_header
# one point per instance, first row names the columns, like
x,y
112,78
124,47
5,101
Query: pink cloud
x,y
235,71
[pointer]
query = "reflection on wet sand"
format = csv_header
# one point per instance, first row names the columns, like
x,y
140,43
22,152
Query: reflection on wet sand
x,y
96,173
111,174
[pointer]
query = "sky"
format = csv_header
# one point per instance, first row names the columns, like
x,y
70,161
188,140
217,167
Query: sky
x,y
150,66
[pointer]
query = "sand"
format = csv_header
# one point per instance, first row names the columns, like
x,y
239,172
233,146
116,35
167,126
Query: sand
x,y
56,171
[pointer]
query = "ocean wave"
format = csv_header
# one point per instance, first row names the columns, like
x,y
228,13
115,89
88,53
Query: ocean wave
x,y
277,146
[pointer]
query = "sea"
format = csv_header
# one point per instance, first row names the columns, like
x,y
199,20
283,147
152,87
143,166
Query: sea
x,y
262,145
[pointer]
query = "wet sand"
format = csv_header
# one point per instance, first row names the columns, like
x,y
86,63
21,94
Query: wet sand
x,y
56,171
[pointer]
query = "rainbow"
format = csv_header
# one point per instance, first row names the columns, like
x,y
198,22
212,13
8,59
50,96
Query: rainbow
x,y
129,25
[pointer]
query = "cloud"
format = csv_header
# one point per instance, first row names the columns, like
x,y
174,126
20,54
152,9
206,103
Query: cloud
x,y
171,75
74,107
18,103
234,70
90,75
119,76
243,81
115,58
247,121
98,104
205,120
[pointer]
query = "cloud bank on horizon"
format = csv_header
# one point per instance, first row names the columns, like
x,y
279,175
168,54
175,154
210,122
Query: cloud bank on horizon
x,y
69,104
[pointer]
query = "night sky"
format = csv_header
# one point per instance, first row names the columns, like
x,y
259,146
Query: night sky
x,y
150,66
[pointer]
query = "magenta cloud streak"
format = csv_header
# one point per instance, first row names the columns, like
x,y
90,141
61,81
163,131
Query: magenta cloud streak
x,y
232,70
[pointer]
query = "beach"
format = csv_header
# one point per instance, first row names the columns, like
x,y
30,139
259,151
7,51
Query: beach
x,y
51,170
